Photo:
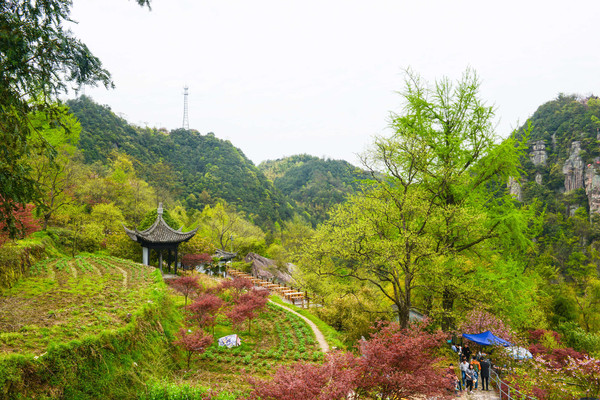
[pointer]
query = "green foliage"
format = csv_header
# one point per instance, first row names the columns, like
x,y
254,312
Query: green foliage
x,y
16,260
34,46
230,231
151,216
580,340
200,169
315,184
171,391
440,204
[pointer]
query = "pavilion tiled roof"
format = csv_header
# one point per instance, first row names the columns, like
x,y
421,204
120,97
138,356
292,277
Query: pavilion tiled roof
x,y
160,232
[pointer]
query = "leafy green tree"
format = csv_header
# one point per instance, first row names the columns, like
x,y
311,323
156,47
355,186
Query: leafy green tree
x,y
38,60
57,179
56,173
109,217
229,230
439,190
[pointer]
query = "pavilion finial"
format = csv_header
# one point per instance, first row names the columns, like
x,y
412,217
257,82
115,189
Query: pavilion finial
x,y
159,210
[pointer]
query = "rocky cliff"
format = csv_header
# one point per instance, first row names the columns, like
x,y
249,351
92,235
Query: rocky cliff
x,y
592,185
563,160
573,168
538,153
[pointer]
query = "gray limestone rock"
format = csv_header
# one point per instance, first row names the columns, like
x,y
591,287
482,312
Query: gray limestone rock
x,y
538,178
538,153
573,169
514,188
267,269
592,185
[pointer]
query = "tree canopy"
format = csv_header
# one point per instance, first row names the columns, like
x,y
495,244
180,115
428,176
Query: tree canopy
x,y
438,194
39,59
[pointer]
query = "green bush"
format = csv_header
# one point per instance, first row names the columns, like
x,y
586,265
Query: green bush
x,y
16,259
574,336
171,391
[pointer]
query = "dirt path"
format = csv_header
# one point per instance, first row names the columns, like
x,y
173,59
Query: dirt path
x,y
480,395
320,338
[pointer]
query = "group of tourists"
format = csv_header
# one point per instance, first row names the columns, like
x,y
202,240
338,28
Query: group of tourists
x,y
473,369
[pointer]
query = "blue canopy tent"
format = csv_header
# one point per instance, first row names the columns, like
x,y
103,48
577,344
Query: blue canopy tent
x,y
487,338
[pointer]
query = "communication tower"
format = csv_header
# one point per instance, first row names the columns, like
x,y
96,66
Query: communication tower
x,y
186,122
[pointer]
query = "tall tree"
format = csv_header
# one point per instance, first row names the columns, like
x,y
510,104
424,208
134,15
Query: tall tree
x,y
438,190
229,229
38,59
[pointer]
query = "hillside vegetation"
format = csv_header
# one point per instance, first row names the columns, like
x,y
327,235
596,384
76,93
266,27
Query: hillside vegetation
x,y
197,169
315,184
84,327
475,231
104,327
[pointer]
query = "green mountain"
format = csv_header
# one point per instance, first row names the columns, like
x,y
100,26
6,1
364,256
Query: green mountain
x,y
564,154
562,172
315,184
198,169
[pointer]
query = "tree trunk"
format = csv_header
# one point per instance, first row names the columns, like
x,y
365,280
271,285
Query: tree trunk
x,y
448,297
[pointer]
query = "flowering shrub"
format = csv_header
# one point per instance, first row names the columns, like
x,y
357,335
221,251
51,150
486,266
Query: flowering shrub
x,y
236,286
586,372
204,310
247,305
479,320
25,223
193,260
332,380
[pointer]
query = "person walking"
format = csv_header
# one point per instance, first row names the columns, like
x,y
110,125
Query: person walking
x,y
464,366
477,367
467,352
485,373
469,376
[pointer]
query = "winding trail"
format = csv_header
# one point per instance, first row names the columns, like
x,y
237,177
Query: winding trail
x,y
318,334
479,395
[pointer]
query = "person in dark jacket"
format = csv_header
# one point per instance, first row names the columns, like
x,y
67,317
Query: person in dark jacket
x,y
467,352
485,373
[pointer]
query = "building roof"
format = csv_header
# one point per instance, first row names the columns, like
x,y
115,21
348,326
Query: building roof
x,y
223,255
160,232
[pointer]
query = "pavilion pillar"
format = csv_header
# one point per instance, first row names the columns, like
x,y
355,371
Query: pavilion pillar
x,y
175,260
160,261
169,259
145,256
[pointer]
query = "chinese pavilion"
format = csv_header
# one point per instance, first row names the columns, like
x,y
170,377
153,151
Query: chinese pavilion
x,y
159,237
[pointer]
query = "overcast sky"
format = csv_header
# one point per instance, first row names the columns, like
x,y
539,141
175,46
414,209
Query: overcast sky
x,y
279,78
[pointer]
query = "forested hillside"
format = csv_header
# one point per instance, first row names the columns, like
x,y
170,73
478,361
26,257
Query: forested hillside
x,y
315,184
198,169
561,172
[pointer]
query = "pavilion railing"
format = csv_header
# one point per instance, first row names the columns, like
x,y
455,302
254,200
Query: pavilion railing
x,y
506,391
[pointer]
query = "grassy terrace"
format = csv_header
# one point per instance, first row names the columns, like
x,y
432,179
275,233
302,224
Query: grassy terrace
x,y
77,326
69,298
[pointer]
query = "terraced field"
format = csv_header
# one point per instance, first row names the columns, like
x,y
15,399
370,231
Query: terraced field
x,y
277,338
69,298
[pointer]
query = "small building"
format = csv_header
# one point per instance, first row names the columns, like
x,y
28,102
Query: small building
x,y
159,237
222,256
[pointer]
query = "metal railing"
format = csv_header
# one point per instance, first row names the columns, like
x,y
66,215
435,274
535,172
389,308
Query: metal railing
x,y
506,391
